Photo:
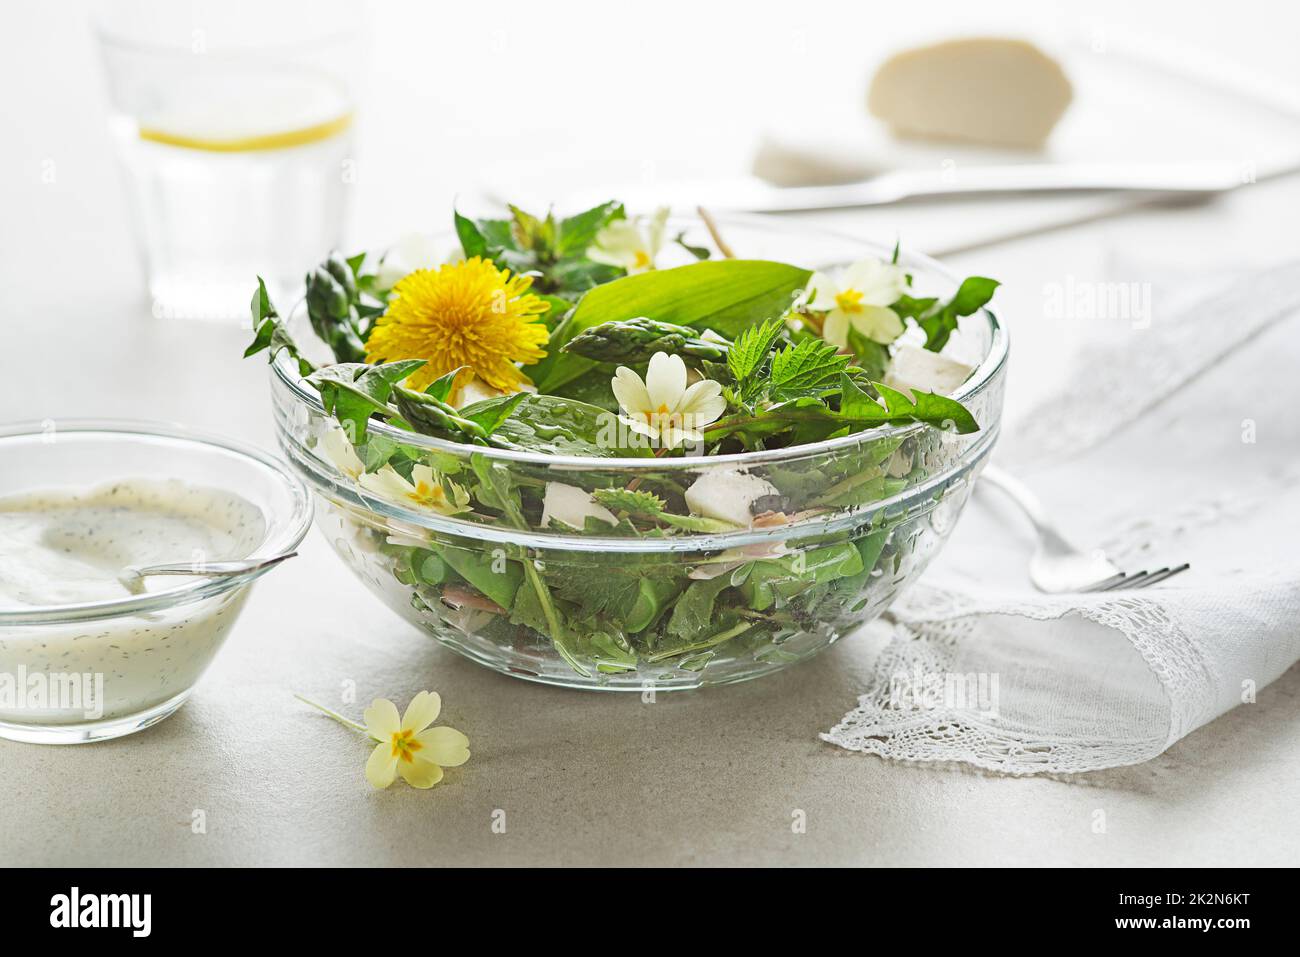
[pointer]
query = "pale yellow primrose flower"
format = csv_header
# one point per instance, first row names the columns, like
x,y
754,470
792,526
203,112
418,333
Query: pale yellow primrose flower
x,y
631,243
859,297
408,746
663,407
425,490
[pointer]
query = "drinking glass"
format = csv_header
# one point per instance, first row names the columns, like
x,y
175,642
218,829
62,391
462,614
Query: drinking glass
x,y
233,122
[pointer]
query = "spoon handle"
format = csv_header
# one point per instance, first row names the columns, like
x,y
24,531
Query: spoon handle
x,y
132,576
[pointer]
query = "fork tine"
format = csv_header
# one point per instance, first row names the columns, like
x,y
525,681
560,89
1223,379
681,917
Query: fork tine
x,y
1136,580
1163,575
1106,583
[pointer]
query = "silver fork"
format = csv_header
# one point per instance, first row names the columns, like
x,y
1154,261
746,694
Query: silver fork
x,y
1057,566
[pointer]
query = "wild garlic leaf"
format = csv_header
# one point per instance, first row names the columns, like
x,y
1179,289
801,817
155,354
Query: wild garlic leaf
x,y
750,350
810,367
550,424
726,296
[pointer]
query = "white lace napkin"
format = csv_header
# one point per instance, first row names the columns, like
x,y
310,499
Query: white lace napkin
x,y
1181,446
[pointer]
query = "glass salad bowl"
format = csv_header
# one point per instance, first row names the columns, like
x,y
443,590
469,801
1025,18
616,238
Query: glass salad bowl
x,y
824,538
75,672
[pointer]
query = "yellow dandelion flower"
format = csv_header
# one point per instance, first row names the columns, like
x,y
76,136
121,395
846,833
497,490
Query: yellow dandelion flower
x,y
462,314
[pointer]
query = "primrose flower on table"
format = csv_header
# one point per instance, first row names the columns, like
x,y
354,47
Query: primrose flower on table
x,y
425,490
859,297
664,407
407,745
631,243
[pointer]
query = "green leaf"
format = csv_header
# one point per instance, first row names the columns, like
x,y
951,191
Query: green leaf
x,y
495,577
854,403
578,232
791,574
751,348
727,296
699,252
441,387
937,410
693,616
353,391
548,423
807,368
471,240
491,413
939,321
872,356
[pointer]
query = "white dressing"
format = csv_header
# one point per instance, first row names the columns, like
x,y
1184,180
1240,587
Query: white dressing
x,y
61,547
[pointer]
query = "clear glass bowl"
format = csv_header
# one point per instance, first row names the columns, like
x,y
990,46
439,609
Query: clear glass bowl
x,y
145,652
865,515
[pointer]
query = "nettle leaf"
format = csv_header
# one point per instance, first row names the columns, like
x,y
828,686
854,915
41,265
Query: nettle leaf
x,y
727,296
808,368
623,500
939,319
751,348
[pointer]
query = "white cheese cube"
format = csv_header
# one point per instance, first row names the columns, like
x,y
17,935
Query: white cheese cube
x,y
926,371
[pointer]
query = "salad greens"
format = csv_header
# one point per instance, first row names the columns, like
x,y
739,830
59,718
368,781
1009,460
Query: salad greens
x,y
706,358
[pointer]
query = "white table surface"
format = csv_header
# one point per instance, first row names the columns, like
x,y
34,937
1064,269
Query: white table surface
x,y
712,777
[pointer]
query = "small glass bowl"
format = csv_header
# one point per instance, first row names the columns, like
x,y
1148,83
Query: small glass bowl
x,y
85,672
865,515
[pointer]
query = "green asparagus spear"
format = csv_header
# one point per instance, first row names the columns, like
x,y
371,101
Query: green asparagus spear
x,y
332,308
636,340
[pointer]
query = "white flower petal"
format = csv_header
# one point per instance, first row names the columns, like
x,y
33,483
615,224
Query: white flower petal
x,y
444,746
422,711
822,290
665,381
341,452
835,329
878,324
420,772
630,391
381,766
381,719
387,482
655,231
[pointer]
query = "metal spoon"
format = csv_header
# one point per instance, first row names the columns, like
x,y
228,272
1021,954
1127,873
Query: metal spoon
x,y
132,576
